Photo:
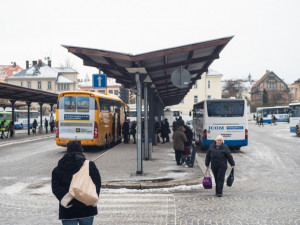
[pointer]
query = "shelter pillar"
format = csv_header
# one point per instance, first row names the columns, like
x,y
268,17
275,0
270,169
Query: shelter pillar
x,y
41,118
151,115
28,117
13,110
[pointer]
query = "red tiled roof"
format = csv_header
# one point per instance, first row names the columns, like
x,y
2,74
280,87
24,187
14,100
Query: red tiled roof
x,y
8,70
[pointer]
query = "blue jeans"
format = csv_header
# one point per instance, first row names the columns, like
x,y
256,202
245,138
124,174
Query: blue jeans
x,y
81,221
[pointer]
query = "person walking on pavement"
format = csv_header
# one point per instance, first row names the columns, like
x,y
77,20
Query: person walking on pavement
x,y
75,212
179,139
133,131
46,125
34,126
125,129
174,125
218,154
261,121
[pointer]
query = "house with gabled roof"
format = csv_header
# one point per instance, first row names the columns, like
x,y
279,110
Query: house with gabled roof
x,y
8,70
269,90
46,78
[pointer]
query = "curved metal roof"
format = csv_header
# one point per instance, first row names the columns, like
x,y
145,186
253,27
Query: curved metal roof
x,y
159,65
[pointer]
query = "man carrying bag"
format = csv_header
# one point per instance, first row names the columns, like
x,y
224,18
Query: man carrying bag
x,y
71,210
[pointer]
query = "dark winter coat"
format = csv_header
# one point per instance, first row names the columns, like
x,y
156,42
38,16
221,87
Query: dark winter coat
x,y
179,139
189,135
165,129
218,155
61,179
125,128
133,128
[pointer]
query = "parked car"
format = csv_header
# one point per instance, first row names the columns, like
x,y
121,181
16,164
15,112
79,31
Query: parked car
x,y
298,129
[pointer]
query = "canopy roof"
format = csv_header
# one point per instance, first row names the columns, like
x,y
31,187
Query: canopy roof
x,y
159,65
17,93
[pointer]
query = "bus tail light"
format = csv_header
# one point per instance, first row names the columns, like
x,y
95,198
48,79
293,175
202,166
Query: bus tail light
x,y
246,134
96,130
56,130
205,134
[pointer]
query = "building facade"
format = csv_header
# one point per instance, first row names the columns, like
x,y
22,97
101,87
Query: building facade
x,y
295,91
269,90
43,77
208,87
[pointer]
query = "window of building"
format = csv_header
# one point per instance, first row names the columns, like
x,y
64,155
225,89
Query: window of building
x,y
21,83
29,84
116,92
208,84
110,91
39,85
271,84
195,85
208,97
195,99
49,84
63,87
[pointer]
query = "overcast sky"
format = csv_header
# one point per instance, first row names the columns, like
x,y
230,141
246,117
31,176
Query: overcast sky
x,y
266,32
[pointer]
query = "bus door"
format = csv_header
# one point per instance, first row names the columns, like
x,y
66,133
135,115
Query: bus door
x,y
76,117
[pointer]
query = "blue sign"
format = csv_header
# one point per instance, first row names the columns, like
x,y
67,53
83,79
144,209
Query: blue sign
x,y
235,127
76,117
99,81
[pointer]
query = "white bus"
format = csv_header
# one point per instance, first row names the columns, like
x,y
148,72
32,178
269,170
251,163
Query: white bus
x,y
280,112
294,116
21,118
226,117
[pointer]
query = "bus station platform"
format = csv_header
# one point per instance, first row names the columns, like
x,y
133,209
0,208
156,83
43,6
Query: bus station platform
x,y
118,165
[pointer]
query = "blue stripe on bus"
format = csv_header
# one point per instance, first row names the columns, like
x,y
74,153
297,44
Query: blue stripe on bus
x,y
293,129
243,142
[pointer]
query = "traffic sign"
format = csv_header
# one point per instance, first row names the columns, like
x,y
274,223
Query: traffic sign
x,y
99,81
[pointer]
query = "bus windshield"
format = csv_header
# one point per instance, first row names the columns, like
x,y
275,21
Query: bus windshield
x,y
225,109
295,111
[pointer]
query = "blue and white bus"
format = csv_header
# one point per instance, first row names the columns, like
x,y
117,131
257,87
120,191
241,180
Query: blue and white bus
x,y
226,117
280,112
294,116
21,118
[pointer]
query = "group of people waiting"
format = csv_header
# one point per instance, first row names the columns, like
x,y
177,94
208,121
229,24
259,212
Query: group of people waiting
x,y
9,128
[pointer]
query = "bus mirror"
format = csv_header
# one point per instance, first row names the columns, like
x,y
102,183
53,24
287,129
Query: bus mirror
x,y
190,113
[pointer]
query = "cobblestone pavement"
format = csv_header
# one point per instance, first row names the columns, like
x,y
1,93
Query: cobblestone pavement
x,y
266,190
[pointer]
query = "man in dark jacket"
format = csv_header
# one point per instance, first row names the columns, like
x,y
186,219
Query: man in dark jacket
x,y
125,129
218,153
61,179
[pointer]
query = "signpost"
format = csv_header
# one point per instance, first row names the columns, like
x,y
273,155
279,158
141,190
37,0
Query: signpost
x,y
99,81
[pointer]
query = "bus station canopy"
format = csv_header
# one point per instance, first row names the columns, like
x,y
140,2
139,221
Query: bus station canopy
x,y
17,93
159,65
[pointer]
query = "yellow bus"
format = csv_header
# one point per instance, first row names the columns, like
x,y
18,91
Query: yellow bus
x,y
93,118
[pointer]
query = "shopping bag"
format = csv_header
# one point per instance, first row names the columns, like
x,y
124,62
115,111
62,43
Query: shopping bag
x,y
206,182
82,186
230,178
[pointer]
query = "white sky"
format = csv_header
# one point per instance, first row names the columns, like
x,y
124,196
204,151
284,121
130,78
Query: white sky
x,y
266,32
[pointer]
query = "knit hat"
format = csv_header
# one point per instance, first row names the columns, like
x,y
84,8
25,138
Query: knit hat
x,y
74,146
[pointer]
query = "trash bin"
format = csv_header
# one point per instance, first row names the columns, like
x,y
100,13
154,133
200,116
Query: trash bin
x,y
150,148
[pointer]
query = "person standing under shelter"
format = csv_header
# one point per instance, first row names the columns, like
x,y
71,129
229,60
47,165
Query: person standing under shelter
x,y
261,121
218,154
133,131
180,122
125,129
46,125
75,211
34,126
165,131
2,129
52,123
179,139
11,127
